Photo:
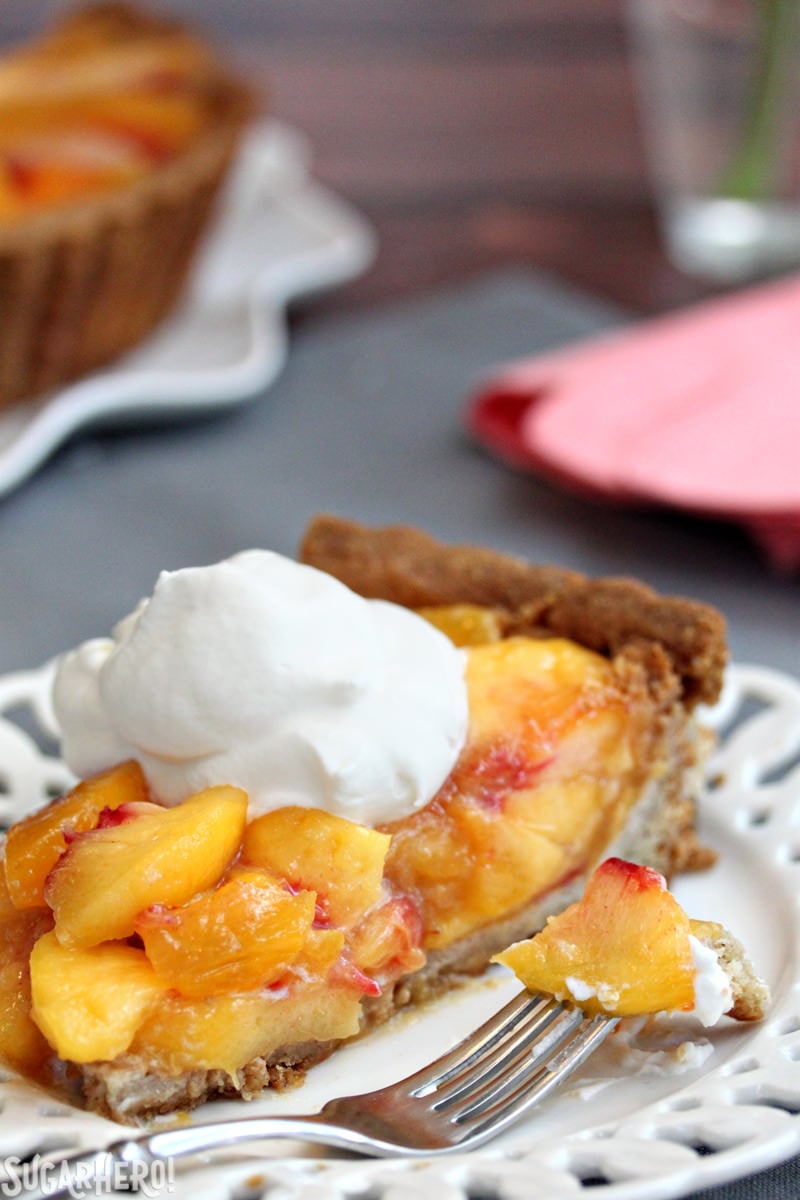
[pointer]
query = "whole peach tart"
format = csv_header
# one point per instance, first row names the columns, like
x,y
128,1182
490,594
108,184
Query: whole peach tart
x,y
116,131
236,887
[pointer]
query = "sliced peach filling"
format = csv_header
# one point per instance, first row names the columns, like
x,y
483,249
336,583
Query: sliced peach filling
x,y
143,855
198,939
89,1002
556,757
169,932
244,934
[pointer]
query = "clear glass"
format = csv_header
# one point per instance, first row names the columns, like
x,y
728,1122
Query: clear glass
x,y
719,85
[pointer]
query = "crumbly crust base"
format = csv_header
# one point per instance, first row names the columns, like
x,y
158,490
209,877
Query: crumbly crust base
x,y
750,992
660,648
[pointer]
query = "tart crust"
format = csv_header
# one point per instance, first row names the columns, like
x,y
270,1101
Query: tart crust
x,y
412,568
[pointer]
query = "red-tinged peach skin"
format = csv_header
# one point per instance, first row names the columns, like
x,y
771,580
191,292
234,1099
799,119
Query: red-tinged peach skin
x,y
388,940
622,949
35,844
159,856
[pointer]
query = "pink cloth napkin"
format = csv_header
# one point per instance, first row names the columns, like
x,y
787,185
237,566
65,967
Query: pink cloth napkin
x,y
699,410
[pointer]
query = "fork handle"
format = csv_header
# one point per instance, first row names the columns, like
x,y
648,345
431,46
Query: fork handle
x,y
127,1161
211,1135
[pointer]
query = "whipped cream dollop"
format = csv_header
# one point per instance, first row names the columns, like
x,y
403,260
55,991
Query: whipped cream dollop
x,y
272,676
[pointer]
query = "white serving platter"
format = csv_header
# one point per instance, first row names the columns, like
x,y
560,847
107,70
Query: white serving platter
x,y
278,235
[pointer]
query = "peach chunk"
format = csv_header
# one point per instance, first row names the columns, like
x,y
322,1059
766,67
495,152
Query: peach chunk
x,y
146,855
225,1032
622,949
542,688
156,123
22,1044
322,950
89,1003
35,844
243,935
465,624
339,860
7,907
388,940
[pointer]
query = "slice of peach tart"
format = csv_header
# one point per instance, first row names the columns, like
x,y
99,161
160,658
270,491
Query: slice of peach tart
x,y
315,792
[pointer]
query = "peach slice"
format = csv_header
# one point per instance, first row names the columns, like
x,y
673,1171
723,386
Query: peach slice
x,y
47,182
89,1003
35,844
540,688
148,855
388,940
22,1044
7,907
225,1032
339,860
156,124
243,935
622,949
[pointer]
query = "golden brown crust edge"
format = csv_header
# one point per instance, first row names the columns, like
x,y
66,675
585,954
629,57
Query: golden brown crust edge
x,y
609,615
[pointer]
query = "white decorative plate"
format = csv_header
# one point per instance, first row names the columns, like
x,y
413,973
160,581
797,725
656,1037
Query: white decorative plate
x,y
625,1135
278,235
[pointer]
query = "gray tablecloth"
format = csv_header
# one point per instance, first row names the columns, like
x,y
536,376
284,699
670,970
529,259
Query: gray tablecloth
x,y
365,421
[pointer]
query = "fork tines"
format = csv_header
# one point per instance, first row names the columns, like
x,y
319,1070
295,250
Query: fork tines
x,y
510,1063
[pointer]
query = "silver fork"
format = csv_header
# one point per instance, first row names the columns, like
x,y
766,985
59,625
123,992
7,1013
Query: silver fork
x,y
469,1095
